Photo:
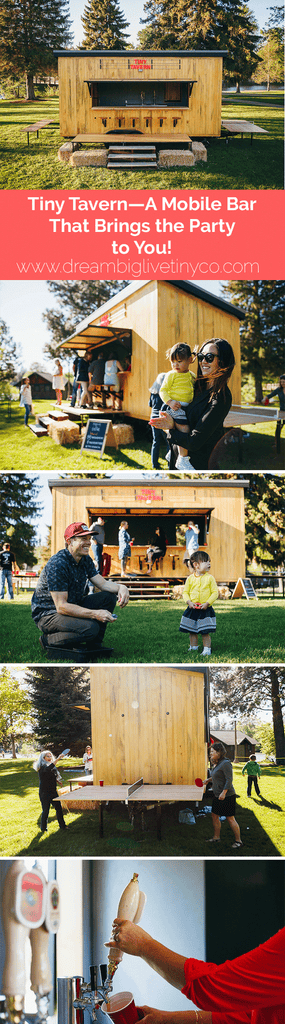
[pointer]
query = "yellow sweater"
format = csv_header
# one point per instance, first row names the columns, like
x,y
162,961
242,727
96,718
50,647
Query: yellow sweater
x,y
177,386
200,589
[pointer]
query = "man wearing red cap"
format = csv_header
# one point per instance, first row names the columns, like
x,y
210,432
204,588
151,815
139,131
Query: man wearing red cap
x,y
67,615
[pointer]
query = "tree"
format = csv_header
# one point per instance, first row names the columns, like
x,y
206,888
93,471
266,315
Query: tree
x,y
264,736
265,520
192,24
54,693
245,689
19,507
262,333
104,26
30,30
271,57
15,710
75,300
9,359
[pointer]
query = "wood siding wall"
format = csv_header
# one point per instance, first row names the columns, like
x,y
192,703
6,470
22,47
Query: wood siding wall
x,y
147,722
226,539
203,117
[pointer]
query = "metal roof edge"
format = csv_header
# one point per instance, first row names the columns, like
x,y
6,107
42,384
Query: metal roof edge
x,y
140,53
147,482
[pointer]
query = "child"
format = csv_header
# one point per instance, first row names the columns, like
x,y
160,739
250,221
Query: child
x,y
87,760
253,770
200,593
177,392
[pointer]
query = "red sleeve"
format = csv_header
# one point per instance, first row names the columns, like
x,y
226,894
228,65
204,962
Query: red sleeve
x,y
255,980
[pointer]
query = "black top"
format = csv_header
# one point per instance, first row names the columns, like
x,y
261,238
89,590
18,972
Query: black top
x,y
205,417
281,395
48,775
82,369
7,558
97,368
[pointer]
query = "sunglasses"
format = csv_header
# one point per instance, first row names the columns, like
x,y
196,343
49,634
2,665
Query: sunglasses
x,y
207,356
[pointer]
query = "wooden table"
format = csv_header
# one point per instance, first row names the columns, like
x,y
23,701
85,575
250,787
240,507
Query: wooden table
x,y
243,128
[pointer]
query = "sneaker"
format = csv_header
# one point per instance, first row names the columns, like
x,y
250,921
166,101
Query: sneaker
x,y
168,456
183,462
236,845
213,840
206,652
193,648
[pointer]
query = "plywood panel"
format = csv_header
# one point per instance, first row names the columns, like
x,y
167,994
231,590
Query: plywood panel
x,y
147,722
226,540
202,116
160,315
186,319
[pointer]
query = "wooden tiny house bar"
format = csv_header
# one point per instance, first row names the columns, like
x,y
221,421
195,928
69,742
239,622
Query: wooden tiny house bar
x,y
147,318
150,722
217,507
167,93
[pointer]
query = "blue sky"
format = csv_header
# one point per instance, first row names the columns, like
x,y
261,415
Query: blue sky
x,y
133,11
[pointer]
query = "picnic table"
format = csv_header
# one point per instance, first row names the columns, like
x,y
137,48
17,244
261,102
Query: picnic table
x,y
37,126
243,128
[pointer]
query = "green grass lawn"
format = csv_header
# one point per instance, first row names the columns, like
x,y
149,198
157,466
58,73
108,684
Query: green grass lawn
x,y
237,165
148,631
261,820
19,447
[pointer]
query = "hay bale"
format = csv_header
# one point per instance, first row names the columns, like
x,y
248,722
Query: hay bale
x,y
65,151
75,805
224,592
176,158
89,158
200,152
63,432
124,434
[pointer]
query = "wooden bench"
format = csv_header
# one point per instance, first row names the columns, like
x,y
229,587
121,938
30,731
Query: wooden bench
x,y
37,126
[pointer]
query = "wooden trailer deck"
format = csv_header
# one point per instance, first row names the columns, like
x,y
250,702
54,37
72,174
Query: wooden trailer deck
x,y
128,139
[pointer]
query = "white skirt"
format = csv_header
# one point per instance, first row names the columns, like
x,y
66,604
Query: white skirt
x,y
58,382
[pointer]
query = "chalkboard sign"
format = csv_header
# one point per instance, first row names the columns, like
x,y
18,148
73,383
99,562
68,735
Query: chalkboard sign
x,y
244,588
95,437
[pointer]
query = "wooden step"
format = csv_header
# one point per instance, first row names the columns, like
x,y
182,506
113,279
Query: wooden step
x,y
132,149
132,166
38,431
57,414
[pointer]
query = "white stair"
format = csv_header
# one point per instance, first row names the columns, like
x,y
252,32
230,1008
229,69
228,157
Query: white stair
x,y
136,155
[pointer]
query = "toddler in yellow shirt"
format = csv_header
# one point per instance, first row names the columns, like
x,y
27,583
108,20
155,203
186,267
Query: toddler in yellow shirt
x,y
200,592
177,392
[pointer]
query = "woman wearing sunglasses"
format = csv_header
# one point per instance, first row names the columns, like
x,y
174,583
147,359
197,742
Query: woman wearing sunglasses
x,y
211,403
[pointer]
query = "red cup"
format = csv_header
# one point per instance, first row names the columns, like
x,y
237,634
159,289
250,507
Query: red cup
x,y
122,1009
101,782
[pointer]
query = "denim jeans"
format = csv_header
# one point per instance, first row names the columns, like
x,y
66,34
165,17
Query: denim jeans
x,y
6,575
28,409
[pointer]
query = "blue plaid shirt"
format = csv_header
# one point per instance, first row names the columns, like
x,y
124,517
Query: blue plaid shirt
x,y
62,573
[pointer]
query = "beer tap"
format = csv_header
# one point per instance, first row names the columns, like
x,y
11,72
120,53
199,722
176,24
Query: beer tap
x,y
23,909
130,908
41,980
